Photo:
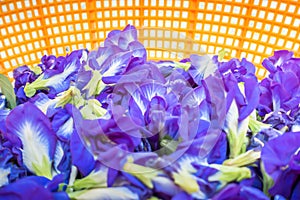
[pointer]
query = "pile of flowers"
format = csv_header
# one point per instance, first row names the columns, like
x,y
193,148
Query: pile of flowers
x,y
110,124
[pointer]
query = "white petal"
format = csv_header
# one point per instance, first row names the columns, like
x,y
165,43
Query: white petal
x,y
3,176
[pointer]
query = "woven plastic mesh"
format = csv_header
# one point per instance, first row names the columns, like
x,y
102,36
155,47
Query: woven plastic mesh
x,y
245,28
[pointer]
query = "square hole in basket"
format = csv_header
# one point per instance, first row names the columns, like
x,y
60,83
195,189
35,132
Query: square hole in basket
x,y
206,27
279,18
221,40
233,20
36,45
196,47
261,48
20,60
202,5
282,7
197,37
269,50
270,16
204,37
246,45
267,27
254,13
288,20
250,57
296,47
208,17
227,8
229,41
210,6
213,39
198,26
272,40
289,44
23,48
275,29
284,31
10,52
215,28
200,16
58,40
183,25
20,38
13,40
261,14
225,19
3,32
223,29
211,49
219,7
217,18
253,47
177,4
258,25
293,34
280,42
292,9
232,31
29,46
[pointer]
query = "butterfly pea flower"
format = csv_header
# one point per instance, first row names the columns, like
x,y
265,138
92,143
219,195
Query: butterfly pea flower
x,y
127,40
282,60
80,153
281,165
57,83
201,67
31,187
10,170
239,69
22,75
95,179
236,191
30,130
281,89
120,192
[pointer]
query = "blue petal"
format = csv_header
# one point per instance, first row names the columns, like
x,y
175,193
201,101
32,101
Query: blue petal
x,y
26,188
81,157
116,65
62,124
34,131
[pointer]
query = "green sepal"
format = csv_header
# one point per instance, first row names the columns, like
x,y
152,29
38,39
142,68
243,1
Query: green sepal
x,y
43,169
144,174
39,84
229,174
95,179
243,159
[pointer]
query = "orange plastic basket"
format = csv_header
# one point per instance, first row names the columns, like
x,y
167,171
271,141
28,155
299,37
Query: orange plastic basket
x,y
174,28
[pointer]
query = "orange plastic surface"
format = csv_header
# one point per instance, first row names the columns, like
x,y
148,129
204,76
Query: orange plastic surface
x,y
170,29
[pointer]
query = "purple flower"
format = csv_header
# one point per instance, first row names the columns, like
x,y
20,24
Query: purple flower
x,y
32,187
30,130
238,68
22,75
55,83
281,89
280,158
239,192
